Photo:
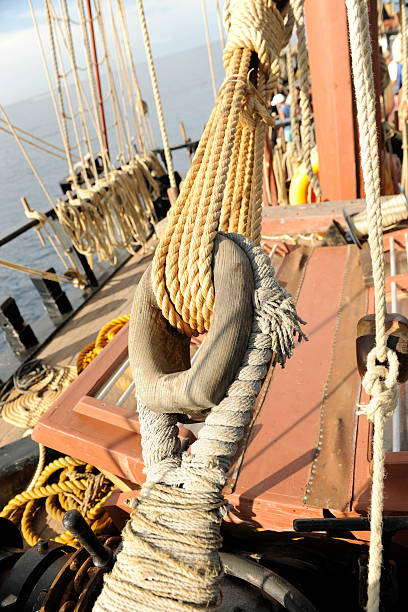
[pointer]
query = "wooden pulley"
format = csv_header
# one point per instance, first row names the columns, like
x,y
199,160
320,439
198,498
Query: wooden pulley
x,y
397,332
165,380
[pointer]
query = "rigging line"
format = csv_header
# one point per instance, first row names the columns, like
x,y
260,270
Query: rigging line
x,y
61,124
155,85
70,105
35,145
34,137
65,74
81,87
52,276
81,110
145,124
115,103
63,114
124,68
210,57
95,71
121,75
220,26
30,163
91,77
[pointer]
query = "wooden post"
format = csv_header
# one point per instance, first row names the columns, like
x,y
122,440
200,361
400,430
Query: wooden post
x,y
333,97
329,57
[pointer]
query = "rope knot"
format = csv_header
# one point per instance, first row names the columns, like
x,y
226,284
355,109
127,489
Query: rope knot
x,y
380,382
254,106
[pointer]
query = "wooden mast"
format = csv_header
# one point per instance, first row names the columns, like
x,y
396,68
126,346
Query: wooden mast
x,y
97,77
333,97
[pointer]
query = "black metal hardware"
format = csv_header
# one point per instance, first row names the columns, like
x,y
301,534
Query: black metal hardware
x,y
75,523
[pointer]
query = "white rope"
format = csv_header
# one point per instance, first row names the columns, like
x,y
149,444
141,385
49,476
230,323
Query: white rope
x,y
381,380
155,85
60,118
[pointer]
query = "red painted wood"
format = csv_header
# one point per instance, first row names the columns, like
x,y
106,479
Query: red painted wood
x,y
332,98
272,481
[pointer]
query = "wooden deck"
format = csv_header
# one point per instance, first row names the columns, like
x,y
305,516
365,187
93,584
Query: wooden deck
x,y
112,300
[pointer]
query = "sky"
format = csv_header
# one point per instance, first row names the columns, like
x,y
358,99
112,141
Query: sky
x,y
174,26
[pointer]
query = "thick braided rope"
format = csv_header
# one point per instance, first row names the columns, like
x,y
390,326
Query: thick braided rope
x,y
306,125
223,188
380,381
169,559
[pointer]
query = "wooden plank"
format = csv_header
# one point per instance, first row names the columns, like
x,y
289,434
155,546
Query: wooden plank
x,y
306,218
272,482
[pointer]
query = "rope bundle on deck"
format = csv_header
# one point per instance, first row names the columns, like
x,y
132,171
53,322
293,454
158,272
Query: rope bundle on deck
x,y
169,559
32,390
62,485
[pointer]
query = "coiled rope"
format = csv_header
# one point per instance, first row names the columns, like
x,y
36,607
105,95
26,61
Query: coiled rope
x,y
380,380
31,391
79,486
223,188
105,335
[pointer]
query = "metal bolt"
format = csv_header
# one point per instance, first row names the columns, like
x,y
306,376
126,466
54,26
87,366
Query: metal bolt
x,y
42,545
74,565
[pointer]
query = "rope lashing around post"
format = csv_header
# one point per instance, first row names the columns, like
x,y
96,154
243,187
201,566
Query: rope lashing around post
x,y
169,559
223,188
393,211
306,127
403,109
380,381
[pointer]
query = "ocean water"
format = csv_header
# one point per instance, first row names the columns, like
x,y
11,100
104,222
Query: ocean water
x,y
186,92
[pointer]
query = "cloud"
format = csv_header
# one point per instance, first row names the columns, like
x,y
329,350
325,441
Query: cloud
x,y
174,26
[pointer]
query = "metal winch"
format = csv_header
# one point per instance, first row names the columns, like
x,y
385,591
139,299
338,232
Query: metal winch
x,y
51,576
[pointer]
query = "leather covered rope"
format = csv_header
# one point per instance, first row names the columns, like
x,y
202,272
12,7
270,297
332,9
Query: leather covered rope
x,y
160,357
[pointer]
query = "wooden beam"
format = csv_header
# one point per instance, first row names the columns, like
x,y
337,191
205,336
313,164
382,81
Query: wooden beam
x,y
307,218
332,98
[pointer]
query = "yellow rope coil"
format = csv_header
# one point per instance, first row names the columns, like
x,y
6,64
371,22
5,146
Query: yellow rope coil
x,y
104,336
71,490
223,188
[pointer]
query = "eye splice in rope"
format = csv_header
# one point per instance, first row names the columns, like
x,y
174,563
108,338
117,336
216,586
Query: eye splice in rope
x,y
169,559
160,357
